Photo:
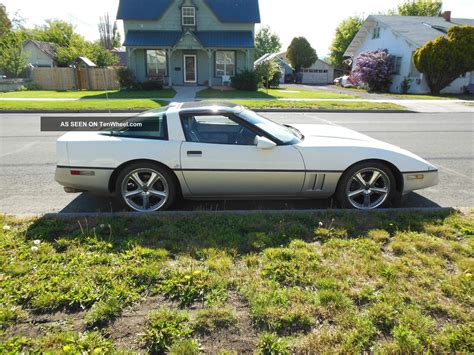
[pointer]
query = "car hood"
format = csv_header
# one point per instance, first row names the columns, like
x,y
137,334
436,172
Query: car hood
x,y
336,148
329,132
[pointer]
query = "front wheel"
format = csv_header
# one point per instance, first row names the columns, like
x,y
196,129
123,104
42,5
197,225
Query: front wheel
x,y
146,187
366,186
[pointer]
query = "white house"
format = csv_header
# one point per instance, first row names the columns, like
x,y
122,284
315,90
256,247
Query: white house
x,y
401,36
39,53
319,73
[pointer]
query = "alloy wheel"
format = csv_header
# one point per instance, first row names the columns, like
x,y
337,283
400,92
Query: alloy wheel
x,y
368,188
145,190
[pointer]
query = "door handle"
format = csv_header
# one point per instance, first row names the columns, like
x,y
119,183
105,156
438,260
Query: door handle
x,y
194,153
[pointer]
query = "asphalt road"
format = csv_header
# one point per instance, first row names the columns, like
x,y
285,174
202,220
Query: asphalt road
x,y
27,162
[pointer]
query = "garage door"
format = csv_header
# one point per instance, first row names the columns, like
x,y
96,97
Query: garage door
x,y
315,78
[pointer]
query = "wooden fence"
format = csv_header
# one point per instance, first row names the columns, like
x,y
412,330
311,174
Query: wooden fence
x,y
75,78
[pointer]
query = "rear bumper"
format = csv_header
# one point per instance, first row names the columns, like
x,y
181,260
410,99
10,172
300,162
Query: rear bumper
x,y
95,180
419,180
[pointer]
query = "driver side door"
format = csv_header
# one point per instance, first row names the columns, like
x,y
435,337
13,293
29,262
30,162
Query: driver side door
x,y
220,158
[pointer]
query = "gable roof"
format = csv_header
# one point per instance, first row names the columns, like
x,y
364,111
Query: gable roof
x,y
242,11
46,47
415,29
246,11
142,9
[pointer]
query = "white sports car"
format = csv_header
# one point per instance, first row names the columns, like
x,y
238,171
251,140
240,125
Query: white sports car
x,y
224,151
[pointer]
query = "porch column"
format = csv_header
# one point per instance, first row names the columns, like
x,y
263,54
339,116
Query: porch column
x,y
247,54
209,55
169,52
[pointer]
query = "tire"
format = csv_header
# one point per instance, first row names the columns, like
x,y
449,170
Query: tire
x,y
357,190
134,191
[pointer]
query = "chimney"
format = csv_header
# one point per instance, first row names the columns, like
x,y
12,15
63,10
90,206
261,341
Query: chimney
x,y
447,16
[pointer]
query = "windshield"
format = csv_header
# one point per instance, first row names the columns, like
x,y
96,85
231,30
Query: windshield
x,y
285,134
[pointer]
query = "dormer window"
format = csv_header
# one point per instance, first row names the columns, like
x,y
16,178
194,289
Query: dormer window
x,y
189,16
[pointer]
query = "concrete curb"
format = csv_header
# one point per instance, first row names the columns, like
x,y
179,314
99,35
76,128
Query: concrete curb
x,y
237,212
283,110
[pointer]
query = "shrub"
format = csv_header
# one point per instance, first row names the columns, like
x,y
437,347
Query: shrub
x,y
405,85
126,78
185,347
150,85
246,80
374,68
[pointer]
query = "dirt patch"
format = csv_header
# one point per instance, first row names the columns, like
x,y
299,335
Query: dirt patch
x,y
126,330
241,339
41,324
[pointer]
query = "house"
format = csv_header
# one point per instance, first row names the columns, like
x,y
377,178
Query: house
x,y
40,54
192,42
121,57
319,73
401,36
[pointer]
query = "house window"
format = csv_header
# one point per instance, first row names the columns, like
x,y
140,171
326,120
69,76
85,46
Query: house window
x,y
396,64
189,16
225,63
156,64
376,32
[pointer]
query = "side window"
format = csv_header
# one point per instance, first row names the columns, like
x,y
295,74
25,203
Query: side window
x,y
150,125
216,129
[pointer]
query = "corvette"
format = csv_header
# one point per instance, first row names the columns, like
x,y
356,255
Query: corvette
x,y
224,151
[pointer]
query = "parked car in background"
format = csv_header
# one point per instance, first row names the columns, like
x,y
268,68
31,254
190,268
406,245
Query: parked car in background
x,y
224,151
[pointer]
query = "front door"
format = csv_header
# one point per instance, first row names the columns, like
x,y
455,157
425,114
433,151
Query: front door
x,y
220,158
190,72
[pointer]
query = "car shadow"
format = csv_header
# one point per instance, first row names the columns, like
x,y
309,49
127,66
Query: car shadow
x,y
89,203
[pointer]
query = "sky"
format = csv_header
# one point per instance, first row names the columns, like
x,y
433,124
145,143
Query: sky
x,y
313,19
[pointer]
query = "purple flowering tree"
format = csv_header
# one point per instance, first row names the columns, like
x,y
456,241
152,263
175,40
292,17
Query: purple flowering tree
x,y
374,68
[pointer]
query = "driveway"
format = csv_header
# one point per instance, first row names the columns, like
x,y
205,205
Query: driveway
x,y
27,162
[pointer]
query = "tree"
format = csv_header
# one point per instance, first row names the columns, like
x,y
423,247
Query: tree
x,y
446,58
5,23
12,59
374,68
419,8
267,71
345,33
266,42
301,54
109,35
60,32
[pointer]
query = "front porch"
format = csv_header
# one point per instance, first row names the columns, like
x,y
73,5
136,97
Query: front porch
x,y
189,59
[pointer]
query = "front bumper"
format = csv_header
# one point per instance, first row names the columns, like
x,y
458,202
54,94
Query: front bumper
x,y
419,180
95,180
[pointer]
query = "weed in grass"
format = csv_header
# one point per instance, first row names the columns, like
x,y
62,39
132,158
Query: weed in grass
x,y
104,311
359,332
333,301
190,286
209,320
326,340
292,266
185,347
164,327
59,342
379,235
272,344
283,310
455,338
384,316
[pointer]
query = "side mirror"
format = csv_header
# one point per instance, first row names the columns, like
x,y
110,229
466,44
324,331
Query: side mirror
x,y
265,143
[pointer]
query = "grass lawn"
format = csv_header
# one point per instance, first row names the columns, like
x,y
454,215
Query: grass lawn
x,y
338,282
323,105
272,94
419,96
112,94
129,104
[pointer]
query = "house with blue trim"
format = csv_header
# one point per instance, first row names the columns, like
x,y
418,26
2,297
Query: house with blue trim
x,y
189,42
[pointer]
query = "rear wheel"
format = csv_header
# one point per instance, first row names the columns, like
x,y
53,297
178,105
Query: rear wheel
x,y
366,186
146,187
